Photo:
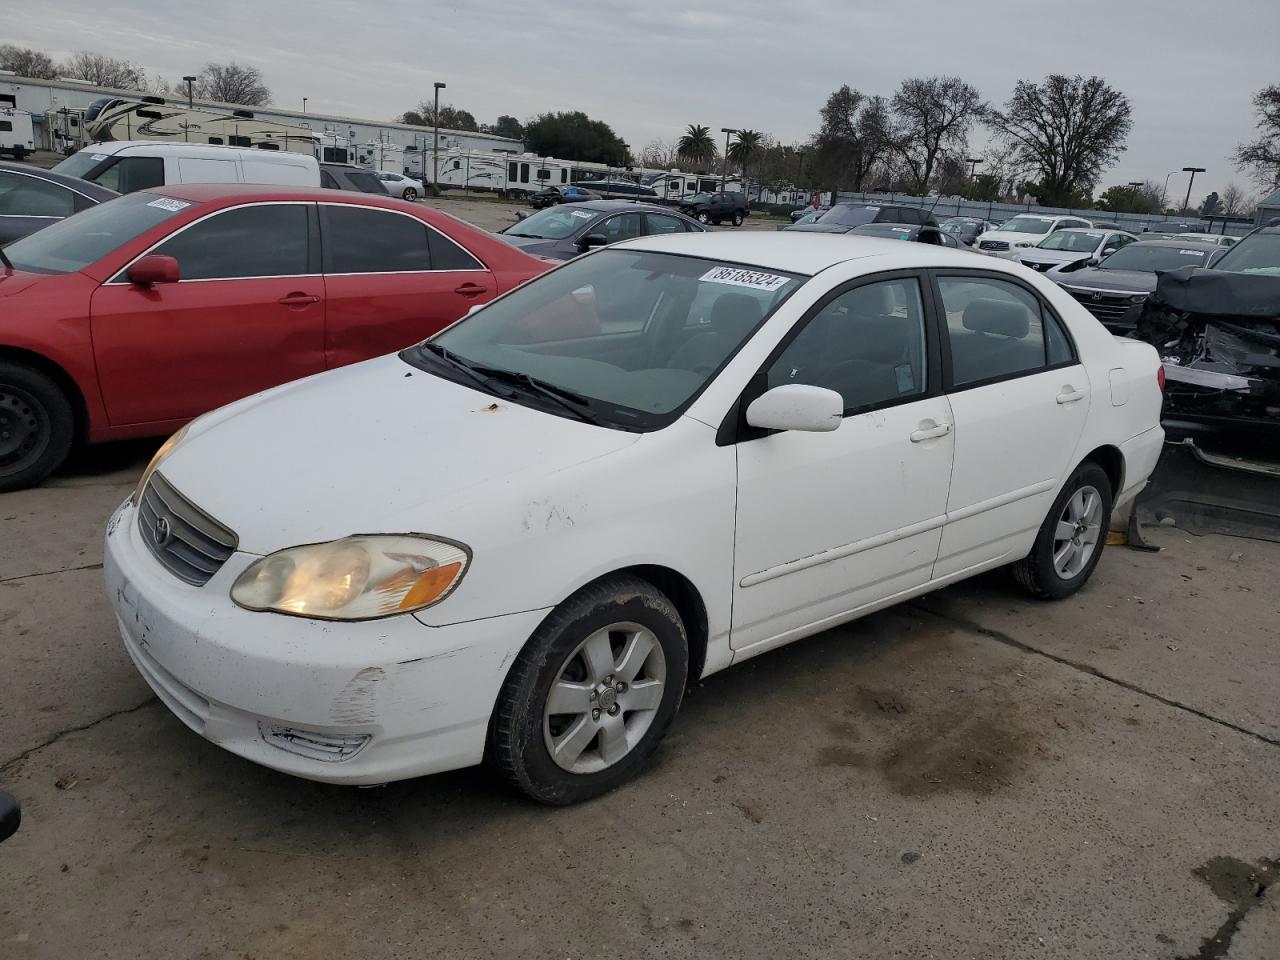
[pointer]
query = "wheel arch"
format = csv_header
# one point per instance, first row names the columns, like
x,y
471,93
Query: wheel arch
x,y
58,375
1111,460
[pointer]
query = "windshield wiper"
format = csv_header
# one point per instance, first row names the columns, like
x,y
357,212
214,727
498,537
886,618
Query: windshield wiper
x,y
575,403
455,362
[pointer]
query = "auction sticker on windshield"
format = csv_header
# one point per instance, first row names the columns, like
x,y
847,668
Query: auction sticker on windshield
x,y
744,278
168,203
1191,253
582,214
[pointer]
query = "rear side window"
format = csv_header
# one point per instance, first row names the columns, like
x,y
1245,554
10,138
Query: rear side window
x,y
128,174
363,240
262,240
447,255
327,179
661,223
22,196
365,182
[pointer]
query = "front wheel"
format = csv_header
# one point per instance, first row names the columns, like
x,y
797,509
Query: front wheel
x,y
36,426
704,217
410,194
1070,541
592,693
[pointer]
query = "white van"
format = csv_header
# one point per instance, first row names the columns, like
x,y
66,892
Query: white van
x,y
17,135
129,165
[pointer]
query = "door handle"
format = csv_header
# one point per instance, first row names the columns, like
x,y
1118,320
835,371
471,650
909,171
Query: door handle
x,y
469,289
298,300
927,432
1070,394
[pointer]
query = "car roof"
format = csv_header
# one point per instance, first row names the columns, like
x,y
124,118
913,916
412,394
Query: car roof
x,y
796,252
227,193
1169,242
604,205
111,147
88,188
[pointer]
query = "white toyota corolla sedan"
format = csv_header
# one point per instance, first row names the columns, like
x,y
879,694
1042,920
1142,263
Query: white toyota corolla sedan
x,y
519,540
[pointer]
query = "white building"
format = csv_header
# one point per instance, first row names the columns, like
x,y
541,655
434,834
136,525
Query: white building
x,y
56,105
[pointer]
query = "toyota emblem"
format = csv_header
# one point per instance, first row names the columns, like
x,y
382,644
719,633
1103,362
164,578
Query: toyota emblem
x,y
162,532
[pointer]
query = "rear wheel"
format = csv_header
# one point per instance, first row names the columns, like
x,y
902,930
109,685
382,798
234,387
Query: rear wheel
x,y
410,194
737,219
592,693
704,217
1070,541
36,426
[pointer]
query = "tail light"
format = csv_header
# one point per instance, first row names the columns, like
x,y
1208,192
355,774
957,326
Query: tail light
x,y
1160,377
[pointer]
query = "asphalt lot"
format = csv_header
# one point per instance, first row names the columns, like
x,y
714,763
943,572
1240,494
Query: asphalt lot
x,y
971,775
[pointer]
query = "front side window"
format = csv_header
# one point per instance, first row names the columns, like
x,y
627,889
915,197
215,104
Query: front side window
x,y
995,329
365,182
23,196
127,174
868,345
361,240
629,336
261,240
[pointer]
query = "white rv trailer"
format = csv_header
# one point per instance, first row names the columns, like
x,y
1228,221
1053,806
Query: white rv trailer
x,y
381,155
17,133
153,118
677,185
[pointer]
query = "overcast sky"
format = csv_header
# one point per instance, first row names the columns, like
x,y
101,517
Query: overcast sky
x,y
649,68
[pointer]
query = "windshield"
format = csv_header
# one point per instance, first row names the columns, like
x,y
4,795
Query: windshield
x,y
80,163
849,216
74,243
553,223
1026,225
1070,242
1149,257
895,231
630,334
1259,253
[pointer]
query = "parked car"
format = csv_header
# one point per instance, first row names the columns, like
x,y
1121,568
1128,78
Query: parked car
x,y
100,341
1072,245
843,217
348,176
716,208
10,816
810,211
1217,239
1023,232
398,185
31,198
1174,227
1110,289
1108,225
563,233
128,165
507,544
908,231
966,229
554,195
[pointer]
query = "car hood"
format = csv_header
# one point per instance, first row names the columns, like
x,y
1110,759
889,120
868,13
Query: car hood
x,y
15,281
1125,281
375,447
819,228
534,246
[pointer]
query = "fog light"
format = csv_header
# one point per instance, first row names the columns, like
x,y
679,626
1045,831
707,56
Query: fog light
x,y
325,747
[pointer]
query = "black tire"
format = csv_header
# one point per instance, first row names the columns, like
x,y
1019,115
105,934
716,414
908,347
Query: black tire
x,y
517,748
703,216
737,219
1036,572
410,194
37,426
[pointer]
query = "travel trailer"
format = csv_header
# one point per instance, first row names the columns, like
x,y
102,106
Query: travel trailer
x,y
153,118
17,134
676,185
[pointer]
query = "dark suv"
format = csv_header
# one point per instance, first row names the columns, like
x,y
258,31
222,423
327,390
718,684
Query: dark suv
x,y
347,176
716,207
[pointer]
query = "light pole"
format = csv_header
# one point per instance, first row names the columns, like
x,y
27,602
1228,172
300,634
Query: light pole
x,y
1164,194
724,168
435,148
190,81
973,164
304,104
1193,171
799,169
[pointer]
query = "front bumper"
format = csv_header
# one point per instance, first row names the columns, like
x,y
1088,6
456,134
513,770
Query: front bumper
x,y
353,703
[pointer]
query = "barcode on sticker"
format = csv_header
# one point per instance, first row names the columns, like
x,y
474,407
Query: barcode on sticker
x,y
737,277
168,203
584,214
1191,253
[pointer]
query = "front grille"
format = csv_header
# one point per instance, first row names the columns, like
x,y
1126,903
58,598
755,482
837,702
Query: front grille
x,y
188,542
993,245
1034,265
1109,307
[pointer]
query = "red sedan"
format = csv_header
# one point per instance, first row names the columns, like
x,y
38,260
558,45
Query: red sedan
x,y
131,318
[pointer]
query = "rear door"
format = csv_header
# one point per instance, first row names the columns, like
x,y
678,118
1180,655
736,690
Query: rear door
x,y
206,170
391,280
247,314
1020,397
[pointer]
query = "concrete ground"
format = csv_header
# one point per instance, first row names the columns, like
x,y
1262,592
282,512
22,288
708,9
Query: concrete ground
x,y
972,775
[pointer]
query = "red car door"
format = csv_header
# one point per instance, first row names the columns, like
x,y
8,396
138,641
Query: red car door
x,y
247,314
391,280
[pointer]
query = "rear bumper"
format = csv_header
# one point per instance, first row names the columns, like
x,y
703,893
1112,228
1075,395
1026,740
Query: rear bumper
x,y
1141,453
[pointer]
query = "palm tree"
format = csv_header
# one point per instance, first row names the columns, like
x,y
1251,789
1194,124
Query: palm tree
x,y
696,146
746,145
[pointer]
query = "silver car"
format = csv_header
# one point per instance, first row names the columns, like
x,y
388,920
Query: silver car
x,y
1071,246
399,185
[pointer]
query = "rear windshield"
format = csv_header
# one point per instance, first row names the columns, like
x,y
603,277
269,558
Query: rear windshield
x,y
848,216
1026,225
74,243
1071,242
1149,257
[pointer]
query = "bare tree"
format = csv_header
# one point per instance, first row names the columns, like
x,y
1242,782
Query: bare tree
x,y
104,71
1067,129
27,63
933,116
1236,201
1156,194
660,155
1261,157
232,83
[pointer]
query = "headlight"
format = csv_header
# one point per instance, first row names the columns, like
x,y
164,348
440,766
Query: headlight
x,y
356,578
1138,298
165,449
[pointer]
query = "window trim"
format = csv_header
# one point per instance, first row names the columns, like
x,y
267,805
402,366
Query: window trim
x,y
734,427
119,278
386,273
944,335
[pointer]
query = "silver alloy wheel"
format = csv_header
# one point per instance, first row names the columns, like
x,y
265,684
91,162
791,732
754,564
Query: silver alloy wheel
x,y
1075,538
605,697
410,194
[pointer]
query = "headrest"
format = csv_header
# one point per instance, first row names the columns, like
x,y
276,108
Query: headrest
x,y
997,316
735,314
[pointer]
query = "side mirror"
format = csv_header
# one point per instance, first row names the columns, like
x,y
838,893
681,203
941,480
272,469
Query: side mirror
x,y
1092,262
797,406
1107,251
10,816
521,214
593,240
154,269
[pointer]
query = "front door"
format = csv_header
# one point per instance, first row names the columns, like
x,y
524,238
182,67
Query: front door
x,y
829,523
391,280
248,314
1020,398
